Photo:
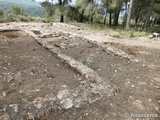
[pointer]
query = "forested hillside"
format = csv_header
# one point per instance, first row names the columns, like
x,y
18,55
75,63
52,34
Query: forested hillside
x,y
30,8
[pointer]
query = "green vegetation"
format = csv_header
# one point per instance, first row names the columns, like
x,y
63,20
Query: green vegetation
x,y
1,13
28,10
15,13
143,15
120,29
16,10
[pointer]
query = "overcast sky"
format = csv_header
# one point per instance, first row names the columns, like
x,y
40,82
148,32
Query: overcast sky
x,y
55,1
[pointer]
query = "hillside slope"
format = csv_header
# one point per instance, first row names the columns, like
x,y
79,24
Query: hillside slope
x,y
30,8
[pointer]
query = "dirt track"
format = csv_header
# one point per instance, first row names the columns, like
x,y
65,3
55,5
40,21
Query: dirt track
x,y
60,71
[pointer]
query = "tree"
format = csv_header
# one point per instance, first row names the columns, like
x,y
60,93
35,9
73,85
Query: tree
x,y
81,5
150,10
117,11
60,4
112,6
156,14
129,15
49,9
16,10
1,12
139,10
73,14
91,10
111,9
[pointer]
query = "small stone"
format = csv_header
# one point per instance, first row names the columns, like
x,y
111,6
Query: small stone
x,y
138,104
149,99
135,60
46,35
4,93
45,71
142,83
8,78
38,102
32,73
63,94
5,108
144,65
14,106
37,90
36,31
64,86
132,86
79,101
30,116
79,79
18,76
131,97
156,35
75,95
67,103
57,65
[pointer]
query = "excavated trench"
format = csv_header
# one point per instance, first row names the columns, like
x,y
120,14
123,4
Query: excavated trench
x,y
43,78
29,75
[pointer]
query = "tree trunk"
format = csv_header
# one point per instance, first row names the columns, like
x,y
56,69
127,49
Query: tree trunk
x,y
104,22
81,17
105,18
110,19
136,21
126,8
116,17
155,21
62,18
129,15
147,21
91,19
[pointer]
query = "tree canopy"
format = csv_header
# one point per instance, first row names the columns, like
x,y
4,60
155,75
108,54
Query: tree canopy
x,y
135,13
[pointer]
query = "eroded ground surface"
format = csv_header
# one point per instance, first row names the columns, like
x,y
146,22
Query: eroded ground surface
x,y
59,71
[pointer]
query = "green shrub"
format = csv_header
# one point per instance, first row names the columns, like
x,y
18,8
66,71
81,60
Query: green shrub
x,y
155,29
16,10
1,13
98,19
11,18
131,33
2,20
23,18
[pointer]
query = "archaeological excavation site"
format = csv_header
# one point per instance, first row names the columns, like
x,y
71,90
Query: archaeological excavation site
x,y
58,71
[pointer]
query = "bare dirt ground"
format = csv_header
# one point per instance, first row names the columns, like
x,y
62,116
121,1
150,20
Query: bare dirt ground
x,y
63,72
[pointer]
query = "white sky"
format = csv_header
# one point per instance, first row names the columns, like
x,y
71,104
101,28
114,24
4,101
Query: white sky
x,y
73,1
41,0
